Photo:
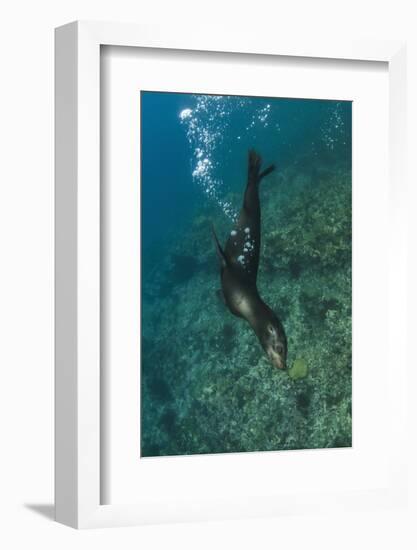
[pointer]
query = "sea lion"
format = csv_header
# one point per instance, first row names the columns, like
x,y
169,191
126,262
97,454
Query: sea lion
x,y
239,262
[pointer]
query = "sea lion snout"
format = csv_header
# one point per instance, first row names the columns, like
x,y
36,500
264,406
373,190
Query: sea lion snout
x,y
276,359
274,342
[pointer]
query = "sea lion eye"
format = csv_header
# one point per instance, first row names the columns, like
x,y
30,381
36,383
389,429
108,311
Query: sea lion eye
x,y
271,329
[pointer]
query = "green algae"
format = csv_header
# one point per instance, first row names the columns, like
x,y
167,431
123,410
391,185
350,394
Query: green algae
x,y
298,370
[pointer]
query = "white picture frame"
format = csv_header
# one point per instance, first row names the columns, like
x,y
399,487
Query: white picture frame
x,y
78,405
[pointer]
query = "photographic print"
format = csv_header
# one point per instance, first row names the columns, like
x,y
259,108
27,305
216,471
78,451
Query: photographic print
x,y
246,274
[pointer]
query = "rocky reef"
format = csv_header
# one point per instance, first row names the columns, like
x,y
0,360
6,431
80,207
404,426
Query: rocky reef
x,y
206,385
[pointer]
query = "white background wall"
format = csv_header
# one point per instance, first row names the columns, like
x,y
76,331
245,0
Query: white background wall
x,y
26,270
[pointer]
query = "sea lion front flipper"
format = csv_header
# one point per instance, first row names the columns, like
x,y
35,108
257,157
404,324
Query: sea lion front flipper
x,y
220,252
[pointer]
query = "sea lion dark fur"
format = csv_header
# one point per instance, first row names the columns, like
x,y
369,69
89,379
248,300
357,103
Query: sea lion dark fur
x,y
239,268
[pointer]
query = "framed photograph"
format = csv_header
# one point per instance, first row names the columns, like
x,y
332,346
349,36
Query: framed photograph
x,y
230,340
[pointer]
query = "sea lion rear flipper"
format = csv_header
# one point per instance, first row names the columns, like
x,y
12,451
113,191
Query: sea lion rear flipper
x,y
267,171
254,167
219,249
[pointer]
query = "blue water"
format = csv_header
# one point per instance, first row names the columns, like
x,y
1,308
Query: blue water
x,y
206,385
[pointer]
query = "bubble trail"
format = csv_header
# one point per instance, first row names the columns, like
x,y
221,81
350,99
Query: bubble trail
x,y
206,124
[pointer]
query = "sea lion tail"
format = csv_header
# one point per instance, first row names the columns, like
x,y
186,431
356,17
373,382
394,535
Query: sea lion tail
x,y
254,167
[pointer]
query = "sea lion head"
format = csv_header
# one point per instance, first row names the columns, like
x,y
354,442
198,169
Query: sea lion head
x,y
272,336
